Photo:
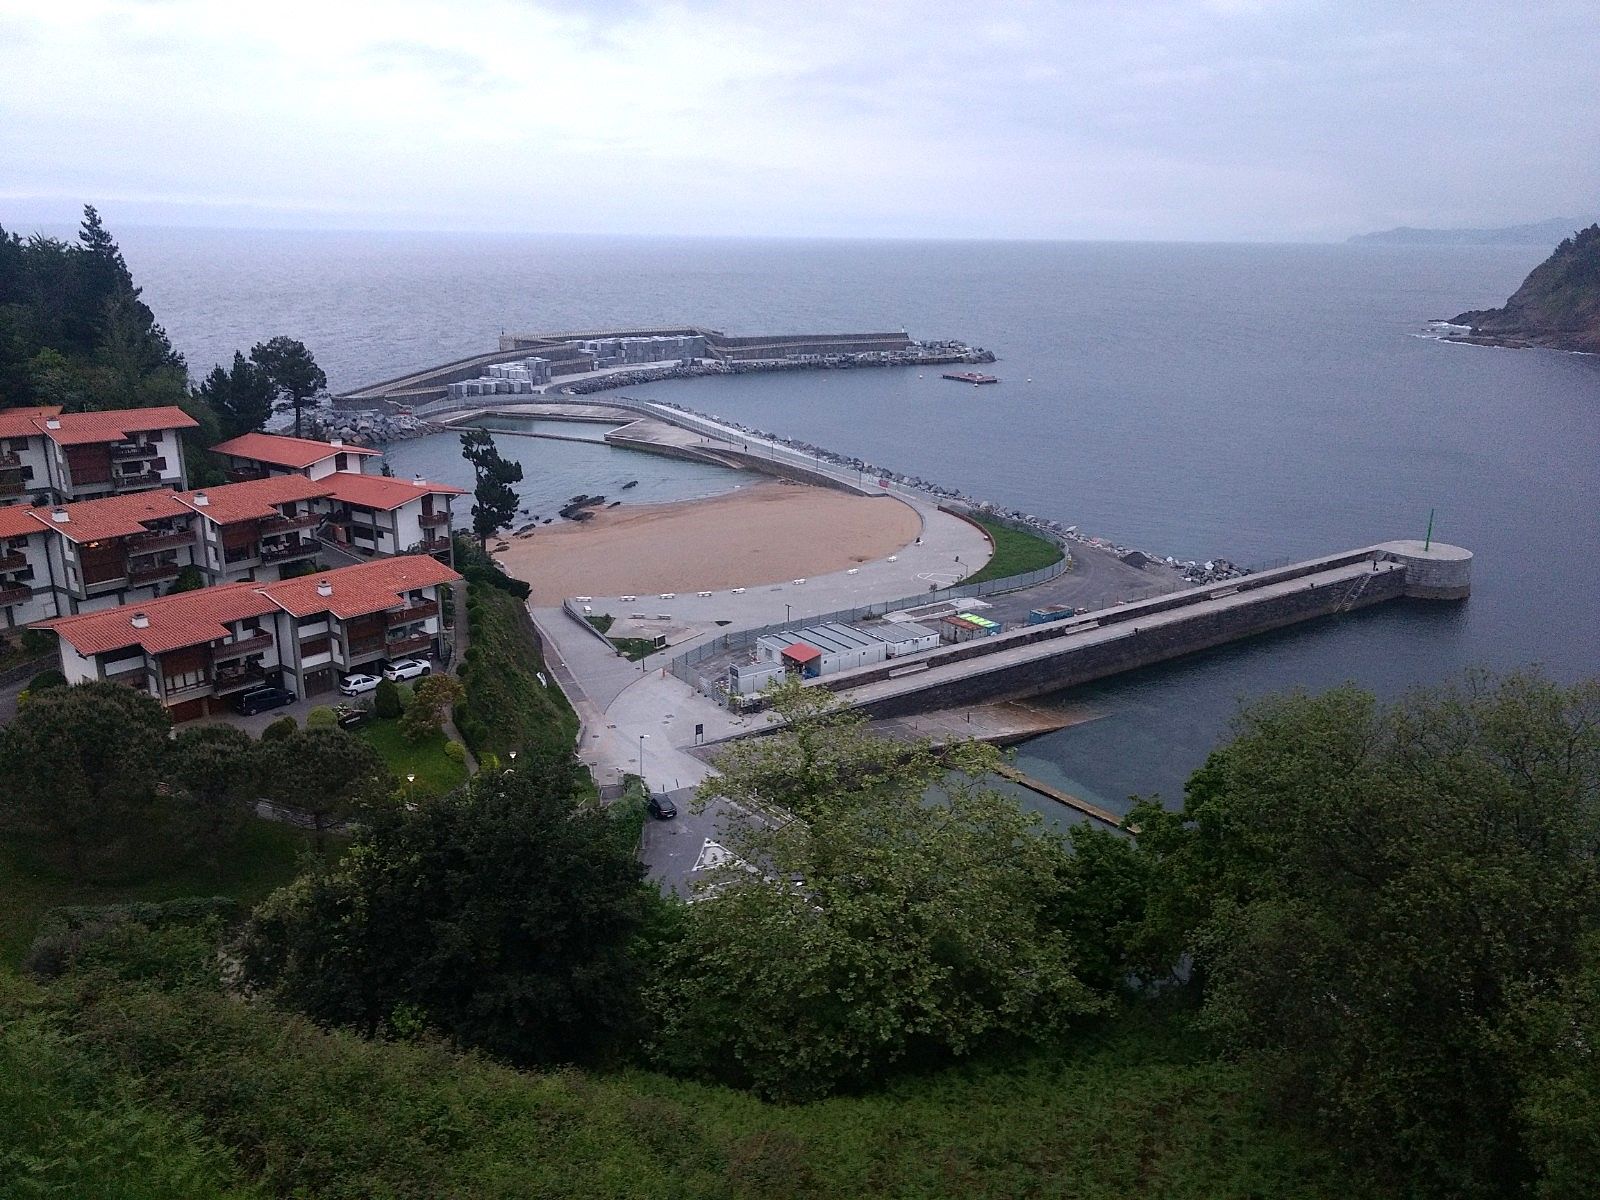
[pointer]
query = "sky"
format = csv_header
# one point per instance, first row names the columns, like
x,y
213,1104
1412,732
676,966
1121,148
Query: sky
x,y
1223,120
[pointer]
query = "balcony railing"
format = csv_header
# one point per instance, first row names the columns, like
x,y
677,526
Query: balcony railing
x,y
238,649
417,612
282,524
12,560
14,594
433,520
295,549
245,474
135,676
158,539
124,451
409,645
232,680
187,689
367,645
433,545
11,487
9,459
137,479
154,572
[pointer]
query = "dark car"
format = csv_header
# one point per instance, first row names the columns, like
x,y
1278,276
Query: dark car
x,y
662,808
261,699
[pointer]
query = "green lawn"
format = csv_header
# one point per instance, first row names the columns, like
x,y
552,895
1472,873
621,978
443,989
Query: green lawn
x,y
634,649
436,772
266,856
1015,552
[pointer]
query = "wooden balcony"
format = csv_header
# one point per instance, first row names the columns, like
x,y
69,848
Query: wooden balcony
x,y
12,560
135,676
409,645
154,572
185,691
12,487
14,594
436,545
282,524
128,451
9,460
368,645
158,539
417,612
433,520
137,479
238,677
299,548
245,474
224,651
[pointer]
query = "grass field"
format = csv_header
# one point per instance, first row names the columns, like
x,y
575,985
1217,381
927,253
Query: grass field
x,y
436,772
507,708
266,856
1015,552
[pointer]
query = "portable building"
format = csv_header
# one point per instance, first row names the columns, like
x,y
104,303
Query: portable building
x,y
990,628
902,637
960,629
804,658
745,679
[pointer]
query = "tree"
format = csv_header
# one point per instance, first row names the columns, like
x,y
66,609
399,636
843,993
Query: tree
x,y
189,579
241,396
431,701
80,766
1376,901
862,926
327,774
386,700
213,771
502,916
495,500
294,374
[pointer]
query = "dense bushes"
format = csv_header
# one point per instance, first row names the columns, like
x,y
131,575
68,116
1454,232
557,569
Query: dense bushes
x,y
45,680
386,700
506,707
477,567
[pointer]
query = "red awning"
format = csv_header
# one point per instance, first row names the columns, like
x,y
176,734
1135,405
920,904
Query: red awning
x,y
802,652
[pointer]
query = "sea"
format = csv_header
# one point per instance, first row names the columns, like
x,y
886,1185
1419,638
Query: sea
x,y
1254,402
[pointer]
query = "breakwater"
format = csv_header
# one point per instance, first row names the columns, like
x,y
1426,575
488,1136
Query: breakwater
x,y
1047,658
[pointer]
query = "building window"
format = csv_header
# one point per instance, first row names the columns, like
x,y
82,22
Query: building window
x,y
185,679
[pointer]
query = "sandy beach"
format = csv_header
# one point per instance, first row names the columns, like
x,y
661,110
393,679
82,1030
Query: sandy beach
x,y
764,534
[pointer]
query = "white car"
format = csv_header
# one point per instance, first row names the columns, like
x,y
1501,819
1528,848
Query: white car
x,y
407,668
355,685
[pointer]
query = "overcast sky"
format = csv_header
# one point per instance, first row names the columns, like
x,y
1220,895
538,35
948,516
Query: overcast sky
x,y
1228,119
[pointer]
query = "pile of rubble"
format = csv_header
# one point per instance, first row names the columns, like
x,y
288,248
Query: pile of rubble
x,y
365,427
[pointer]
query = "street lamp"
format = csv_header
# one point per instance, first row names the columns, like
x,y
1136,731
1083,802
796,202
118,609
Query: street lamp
x,y
785,614
642,737
513,760
411,779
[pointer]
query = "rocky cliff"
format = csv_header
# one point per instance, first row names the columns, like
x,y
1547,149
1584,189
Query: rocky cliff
x,y
1558,304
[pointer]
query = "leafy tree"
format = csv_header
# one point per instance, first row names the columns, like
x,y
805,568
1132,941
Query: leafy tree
x,y
386,700
325,773
495,500
1376,900
189,579
322,717
80,766
279,729
431,702
213,771
863,926
502,916
293,372
242,395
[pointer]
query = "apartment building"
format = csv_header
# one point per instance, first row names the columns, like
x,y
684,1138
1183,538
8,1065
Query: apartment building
x,y
254,530
259,455
25,593
373,514
62,457
196,651
102,553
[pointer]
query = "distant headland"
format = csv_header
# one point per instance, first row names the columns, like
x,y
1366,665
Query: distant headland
x,y
1539,233
1557,307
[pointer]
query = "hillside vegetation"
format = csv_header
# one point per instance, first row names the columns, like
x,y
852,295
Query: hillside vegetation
x,y
1557,306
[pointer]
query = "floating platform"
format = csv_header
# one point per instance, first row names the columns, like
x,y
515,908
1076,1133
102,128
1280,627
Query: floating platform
x,y
970,377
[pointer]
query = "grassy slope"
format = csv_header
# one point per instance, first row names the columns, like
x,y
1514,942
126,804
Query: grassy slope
x,y
267,855
331,1115
436,772
1014,552
503,692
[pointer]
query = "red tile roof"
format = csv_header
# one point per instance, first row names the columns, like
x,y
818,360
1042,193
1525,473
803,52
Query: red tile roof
x,y
379,491
187,619
194,618
282,451
113,516
19,422
17,521
112,424
253,499
361,589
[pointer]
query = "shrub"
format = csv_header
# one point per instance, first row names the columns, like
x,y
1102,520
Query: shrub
x,y
455,752
46,679
386,700
189,580
283,727
322,717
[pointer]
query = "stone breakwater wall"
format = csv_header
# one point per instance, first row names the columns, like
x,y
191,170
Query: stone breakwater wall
x,y
365,427
832,362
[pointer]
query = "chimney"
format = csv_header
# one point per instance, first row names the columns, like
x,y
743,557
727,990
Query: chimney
x,y
335,441
324,588
140,621
201,499
418,481
52,423
60,516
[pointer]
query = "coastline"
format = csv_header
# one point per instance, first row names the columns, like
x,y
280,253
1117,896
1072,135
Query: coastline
x,y
768,533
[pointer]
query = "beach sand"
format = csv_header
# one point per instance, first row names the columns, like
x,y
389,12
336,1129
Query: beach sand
x,y
768,533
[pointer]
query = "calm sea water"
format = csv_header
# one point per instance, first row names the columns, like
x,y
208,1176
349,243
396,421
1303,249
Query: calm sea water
x,y
1255,402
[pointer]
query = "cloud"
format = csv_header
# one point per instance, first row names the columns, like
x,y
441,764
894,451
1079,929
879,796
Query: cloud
x,y
1150,118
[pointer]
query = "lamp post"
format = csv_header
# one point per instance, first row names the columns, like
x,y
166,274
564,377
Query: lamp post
x,y
411,779
642,737
513,760
785,614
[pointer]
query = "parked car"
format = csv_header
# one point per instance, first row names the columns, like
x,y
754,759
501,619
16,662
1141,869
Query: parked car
x,y
407,668
351,717
261,699
662,808
354,685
